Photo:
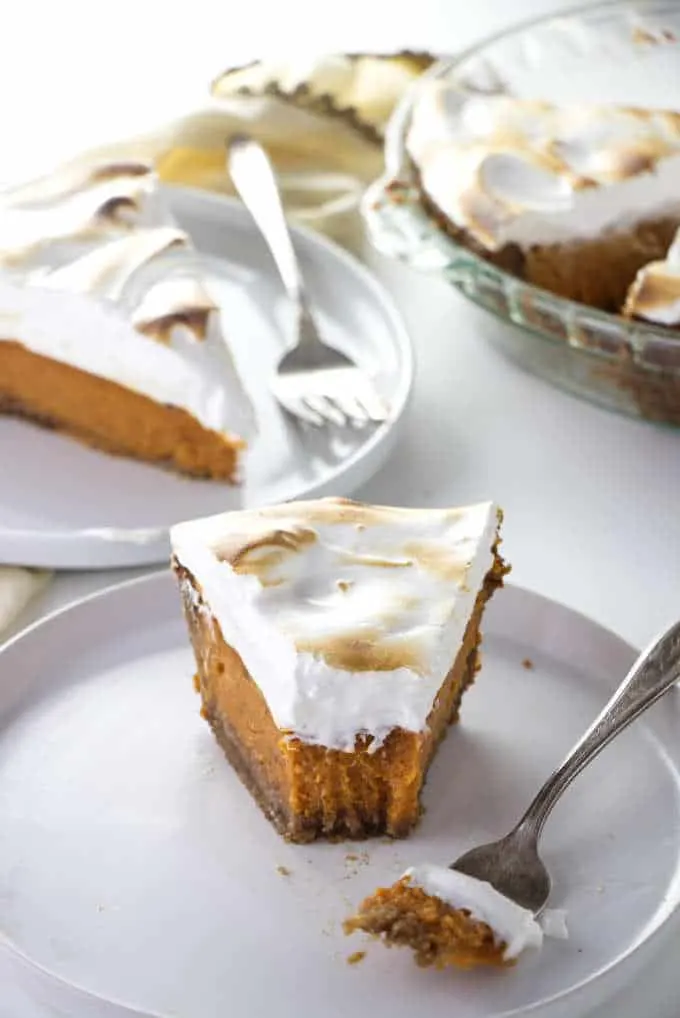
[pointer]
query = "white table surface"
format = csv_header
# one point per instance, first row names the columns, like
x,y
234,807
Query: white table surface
x,y
592,499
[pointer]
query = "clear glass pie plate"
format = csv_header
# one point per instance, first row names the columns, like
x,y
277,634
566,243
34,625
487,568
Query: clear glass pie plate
x,y
621,53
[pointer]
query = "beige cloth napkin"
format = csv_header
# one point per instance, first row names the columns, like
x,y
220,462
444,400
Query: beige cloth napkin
x,y
322,121
17,588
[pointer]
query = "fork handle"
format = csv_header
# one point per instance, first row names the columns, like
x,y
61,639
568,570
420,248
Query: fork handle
x,y
255,181
654,672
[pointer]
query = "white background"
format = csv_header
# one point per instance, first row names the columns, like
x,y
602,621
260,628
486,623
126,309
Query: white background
x,y
592,499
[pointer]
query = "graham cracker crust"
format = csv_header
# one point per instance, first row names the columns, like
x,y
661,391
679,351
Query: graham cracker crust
x,y
233,750
655,392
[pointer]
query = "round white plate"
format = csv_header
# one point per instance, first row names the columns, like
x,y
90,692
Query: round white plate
x,y
66,506
134,865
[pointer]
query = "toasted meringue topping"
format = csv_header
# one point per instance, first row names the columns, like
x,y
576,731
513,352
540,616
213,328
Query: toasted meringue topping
x,y
266,556
34,218
76,178
348,617
106,270
655,292
527,172
94,272
173,302
362,88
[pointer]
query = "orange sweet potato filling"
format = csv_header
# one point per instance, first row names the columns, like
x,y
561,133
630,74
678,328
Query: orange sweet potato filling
x,y
310,791
110,417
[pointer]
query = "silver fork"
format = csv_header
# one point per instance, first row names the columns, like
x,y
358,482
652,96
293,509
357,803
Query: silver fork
x,y
512,865
314,382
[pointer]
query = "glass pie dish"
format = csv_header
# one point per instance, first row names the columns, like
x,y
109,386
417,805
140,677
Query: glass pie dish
x,y
620,53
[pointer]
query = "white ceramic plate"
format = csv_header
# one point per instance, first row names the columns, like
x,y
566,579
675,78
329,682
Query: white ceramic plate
x,y
66,506
134,866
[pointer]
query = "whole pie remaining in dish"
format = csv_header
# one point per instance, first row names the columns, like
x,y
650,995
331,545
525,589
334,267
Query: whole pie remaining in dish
x,y
334,642
574,198
604,80
108,328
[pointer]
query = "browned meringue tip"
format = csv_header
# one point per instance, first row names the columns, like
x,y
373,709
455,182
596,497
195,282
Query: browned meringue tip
x,y
259,78
656,286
